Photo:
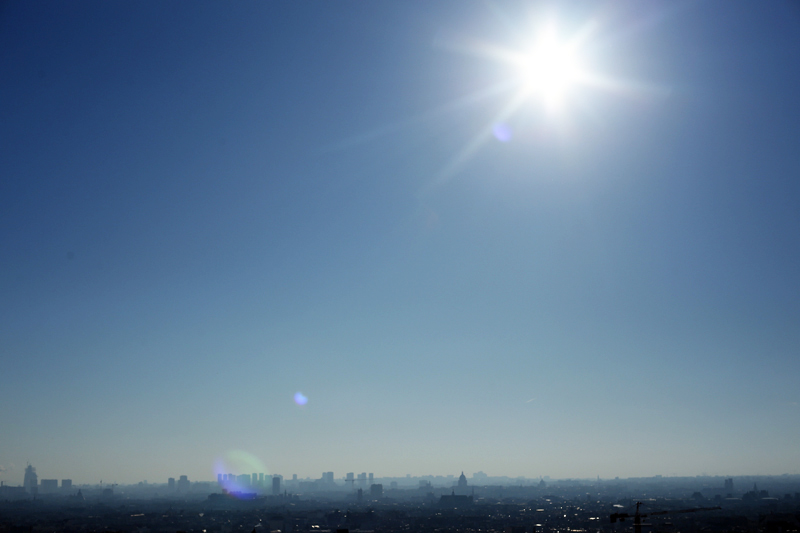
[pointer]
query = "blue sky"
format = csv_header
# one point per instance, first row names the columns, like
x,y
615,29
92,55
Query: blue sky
x,y
207,208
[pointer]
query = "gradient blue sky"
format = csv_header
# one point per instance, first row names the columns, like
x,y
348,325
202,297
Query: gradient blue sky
x,y
208,207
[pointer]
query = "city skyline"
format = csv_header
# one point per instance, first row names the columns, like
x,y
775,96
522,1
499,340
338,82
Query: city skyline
x,y
355,479
520,238
704,504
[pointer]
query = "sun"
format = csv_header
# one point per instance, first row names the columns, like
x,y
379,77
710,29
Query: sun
x,y
545,67
550,69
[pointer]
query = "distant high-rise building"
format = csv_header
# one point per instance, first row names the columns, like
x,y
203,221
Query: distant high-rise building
x,y
183,484
261,478
219,479
376,491
254,479
276,485
243,480
327,478
31,482
66,484
371,478
49,486
729,485
362,478
350,477
171,483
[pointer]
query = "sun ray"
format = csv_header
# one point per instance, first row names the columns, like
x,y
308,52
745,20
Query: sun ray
x,y
421,118
469,150
549,68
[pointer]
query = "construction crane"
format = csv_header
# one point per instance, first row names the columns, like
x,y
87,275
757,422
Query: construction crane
x,y
361,481
637,516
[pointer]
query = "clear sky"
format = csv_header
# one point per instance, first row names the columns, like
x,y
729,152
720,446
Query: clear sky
x,y
467,254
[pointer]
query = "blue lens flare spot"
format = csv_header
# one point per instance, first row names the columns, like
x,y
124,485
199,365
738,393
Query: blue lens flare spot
x,y
300,399
502,132
235,470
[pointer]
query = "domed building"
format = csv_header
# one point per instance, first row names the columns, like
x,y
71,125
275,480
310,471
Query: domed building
x,y
461,488
460,496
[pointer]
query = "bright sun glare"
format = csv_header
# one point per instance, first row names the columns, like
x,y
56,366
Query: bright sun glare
x,y
550,68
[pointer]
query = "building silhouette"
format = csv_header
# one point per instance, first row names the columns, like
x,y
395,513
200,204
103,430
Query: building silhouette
x,y
455,501
31,482
461,489
48,486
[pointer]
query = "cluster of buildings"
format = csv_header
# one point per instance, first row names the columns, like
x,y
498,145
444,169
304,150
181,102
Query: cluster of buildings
x,y
33,486
579,506
259,483
256,482
182,485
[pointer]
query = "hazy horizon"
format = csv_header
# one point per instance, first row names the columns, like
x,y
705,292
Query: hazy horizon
x,y
523,238
438,480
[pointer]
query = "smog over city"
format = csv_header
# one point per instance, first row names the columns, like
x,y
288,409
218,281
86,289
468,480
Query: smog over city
x,y
464,266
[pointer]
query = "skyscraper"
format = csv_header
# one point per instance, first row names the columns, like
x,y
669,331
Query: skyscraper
x,y
276,485
31,482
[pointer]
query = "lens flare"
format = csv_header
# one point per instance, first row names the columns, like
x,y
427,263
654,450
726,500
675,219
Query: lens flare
x,y
299,398
236,463
502,132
